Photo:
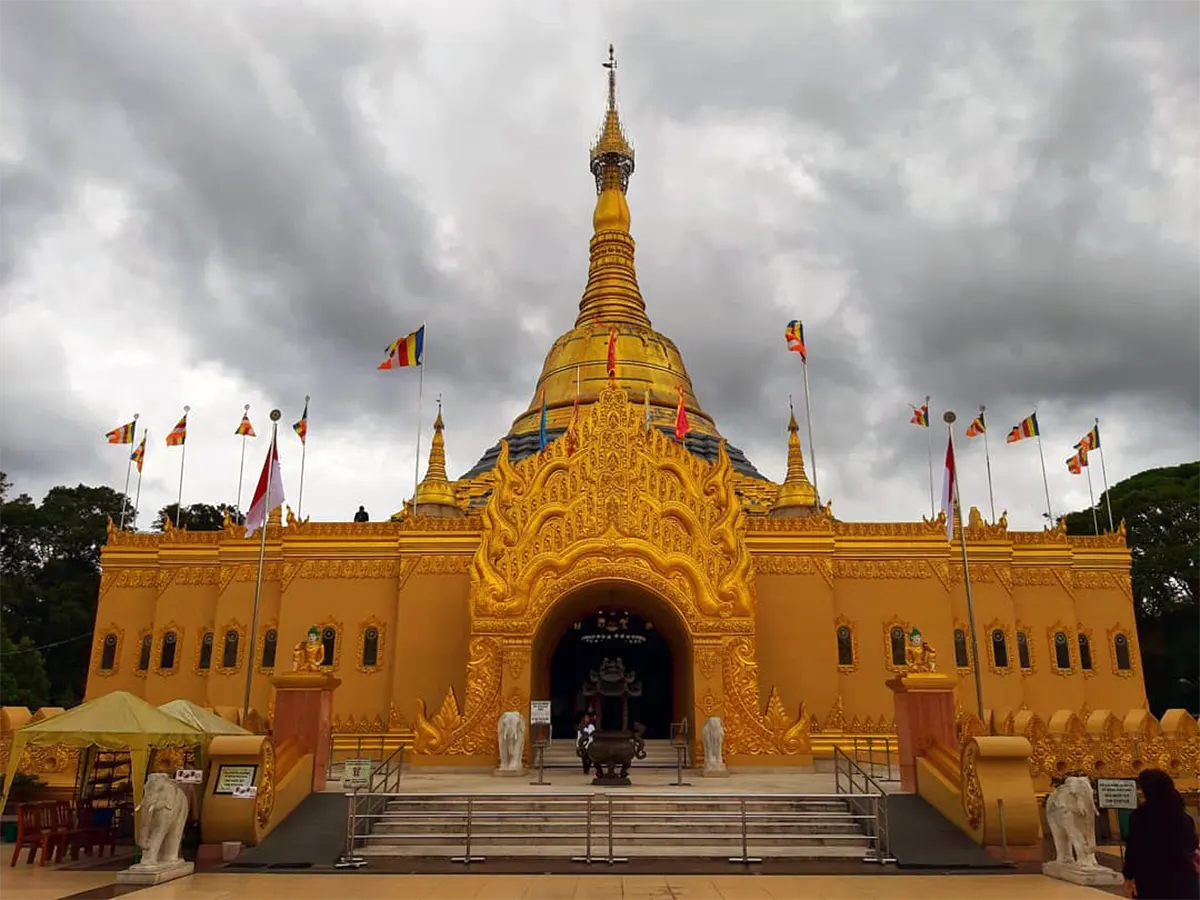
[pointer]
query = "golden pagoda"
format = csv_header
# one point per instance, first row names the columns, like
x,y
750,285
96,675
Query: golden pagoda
x,y
730,595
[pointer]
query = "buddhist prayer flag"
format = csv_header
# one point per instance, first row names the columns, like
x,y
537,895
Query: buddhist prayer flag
x,y
1076,463
949,490
268,496
301,427
1090,441
682,425
139,454
920,415
612,352
646,397
178,435
123,434
1026,428
406,351
795,339
542,424
976,428
245,429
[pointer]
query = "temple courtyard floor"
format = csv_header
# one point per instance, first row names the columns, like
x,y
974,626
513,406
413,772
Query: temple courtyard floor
x,y
36,883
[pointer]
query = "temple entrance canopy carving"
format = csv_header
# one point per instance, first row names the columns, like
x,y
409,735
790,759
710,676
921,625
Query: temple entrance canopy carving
x,y
629,507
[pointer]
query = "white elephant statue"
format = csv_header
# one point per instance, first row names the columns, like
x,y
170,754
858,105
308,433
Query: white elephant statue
x,y
1071,812
163,814
712,733
510,730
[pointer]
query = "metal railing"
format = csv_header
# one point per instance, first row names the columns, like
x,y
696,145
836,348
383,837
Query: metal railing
x,y
605,825
866,796
874,747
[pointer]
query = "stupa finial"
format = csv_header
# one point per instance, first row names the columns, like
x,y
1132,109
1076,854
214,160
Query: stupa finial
x,y
796,493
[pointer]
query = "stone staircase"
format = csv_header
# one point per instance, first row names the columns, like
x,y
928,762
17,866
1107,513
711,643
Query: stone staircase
x,y
659,755
642,825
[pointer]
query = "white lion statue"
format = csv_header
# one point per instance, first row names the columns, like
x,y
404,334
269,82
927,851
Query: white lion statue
x,y
163,814
1071,812
713,735
510,730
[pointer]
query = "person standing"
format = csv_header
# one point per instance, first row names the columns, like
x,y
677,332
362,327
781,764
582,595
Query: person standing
x,y
1161,858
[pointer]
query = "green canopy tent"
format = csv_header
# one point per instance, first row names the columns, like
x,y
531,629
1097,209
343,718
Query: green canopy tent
x,y
116,721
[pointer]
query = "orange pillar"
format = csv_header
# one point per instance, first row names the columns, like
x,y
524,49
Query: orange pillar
x,y
924,715
303,706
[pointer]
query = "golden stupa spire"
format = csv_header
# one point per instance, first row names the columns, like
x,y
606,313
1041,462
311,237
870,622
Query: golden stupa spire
x,y
612,296
435,489
797,496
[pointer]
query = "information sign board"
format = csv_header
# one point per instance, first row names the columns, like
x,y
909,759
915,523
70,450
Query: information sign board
x,y
539,712
232,777
356,773
1117,793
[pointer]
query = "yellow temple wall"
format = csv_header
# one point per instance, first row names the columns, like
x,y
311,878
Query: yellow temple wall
x,y
798,668
431,648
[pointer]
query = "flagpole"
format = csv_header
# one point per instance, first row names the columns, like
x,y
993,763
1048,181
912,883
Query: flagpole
x,y
1107,496
128,466
420,415
242,466
182,460
812,450
1092,500
1045,480
137,500
948,417
303,457
988,458
262,555
929,434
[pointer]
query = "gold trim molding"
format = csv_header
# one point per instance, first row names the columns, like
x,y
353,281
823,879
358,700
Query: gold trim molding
x,y
98,650
156,649
219,640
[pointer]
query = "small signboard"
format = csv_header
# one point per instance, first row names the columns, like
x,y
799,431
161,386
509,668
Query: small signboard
x,y
1117,793
539,712
231,778
189,776
245,793
356,773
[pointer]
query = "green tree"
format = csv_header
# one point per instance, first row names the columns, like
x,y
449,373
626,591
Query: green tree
x,y
23,680
1161,511
199,516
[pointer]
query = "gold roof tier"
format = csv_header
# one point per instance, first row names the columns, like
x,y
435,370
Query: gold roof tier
x,y
797,496
435,495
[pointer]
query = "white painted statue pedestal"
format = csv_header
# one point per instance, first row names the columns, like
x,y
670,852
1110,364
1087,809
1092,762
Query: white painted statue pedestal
x,y
156,873
1092,876
722,772
510,773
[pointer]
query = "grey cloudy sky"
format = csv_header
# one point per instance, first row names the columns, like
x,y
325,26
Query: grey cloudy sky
x,y
219,204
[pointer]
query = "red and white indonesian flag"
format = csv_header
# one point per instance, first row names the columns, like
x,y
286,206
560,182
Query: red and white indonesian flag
x,y
949,489
268,496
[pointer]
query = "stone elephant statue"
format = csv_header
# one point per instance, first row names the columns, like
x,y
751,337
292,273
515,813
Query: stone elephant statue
x,y
1071,813
163,814
510,733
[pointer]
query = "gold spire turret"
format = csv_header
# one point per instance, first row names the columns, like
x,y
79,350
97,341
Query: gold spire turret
x,y
797,497
612,296
435,494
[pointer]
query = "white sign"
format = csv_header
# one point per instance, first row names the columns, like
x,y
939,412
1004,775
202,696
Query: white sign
x,y
189,776
1117,793
245,793
356,773
231,778
539,712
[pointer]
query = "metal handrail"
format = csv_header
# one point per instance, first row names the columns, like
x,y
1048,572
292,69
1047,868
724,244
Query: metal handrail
x,y
871,789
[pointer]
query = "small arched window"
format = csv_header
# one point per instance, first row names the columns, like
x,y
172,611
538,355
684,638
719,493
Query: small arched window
x,y
999,648
229,652
1121,646
897,643
270,640
206,645
1023,657
144,653
962,659
845,646
170,645
370,650
329,642
1062,651
1085,652
108,653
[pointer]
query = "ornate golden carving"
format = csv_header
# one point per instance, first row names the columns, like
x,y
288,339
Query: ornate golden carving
x,y
381,630
793,564
972,790
628,492
708,660
710,704
889,662
220,639
444,565
746,730
838,624
1030,645
45,759
470,731
156,650
260,647
1009,649
1120,631
836,720
1052,644
128,578
881,568
1086,579
264,800
98,650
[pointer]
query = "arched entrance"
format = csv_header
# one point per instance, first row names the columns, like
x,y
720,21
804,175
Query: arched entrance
x,y
615,621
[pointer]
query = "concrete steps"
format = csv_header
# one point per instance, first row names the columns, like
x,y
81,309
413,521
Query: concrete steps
x,y
641,825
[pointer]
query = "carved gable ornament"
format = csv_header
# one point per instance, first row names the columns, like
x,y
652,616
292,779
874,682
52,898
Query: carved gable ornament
x,y
629,504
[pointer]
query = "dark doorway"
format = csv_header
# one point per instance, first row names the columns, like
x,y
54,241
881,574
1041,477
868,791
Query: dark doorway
x,y
612,634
